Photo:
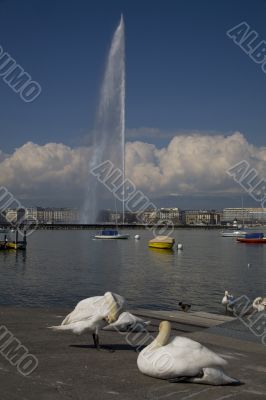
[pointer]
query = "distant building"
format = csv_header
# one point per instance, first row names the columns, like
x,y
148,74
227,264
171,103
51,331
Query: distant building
x,y
11,215
201,217
147,217
112,217
31,215
246,215
43,215
161,215
169,214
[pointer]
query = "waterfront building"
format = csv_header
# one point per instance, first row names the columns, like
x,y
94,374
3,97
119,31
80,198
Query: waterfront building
x,y
249,215
169,214
42,215
160,215
201,217
11,215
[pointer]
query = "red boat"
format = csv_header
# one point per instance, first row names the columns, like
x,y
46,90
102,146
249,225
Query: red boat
x,y
252,240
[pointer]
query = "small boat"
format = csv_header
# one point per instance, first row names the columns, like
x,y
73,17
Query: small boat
x,y
15,246
246,240
239,233
110,234
162,242
7,243
253,238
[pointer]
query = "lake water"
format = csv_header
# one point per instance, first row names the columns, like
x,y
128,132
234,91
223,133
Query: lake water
x,y
60,268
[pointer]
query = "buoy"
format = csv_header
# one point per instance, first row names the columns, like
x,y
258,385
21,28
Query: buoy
x,y
179,246
137,237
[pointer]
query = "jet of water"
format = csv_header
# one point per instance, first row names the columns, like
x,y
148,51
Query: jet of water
x,y
109,131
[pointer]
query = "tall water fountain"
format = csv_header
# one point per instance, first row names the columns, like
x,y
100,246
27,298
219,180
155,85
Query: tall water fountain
x,y
109,130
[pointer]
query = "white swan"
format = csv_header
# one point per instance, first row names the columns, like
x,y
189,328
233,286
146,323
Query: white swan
x,y
127,322
92,314
227,300
259,304
182,359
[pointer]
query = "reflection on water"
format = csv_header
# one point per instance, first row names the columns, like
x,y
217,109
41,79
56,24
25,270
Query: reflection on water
x,y
60,268
162,251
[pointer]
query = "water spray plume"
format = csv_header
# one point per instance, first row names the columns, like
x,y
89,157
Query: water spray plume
x,y
109,130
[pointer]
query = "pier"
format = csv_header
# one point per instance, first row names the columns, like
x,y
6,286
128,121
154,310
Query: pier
x,y
40,226
70,368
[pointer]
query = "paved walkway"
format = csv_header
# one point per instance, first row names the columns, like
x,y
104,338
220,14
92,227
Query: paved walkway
x,y
71,369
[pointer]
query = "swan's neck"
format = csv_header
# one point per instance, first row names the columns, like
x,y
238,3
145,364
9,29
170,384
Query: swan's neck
x,y
163,335
114,311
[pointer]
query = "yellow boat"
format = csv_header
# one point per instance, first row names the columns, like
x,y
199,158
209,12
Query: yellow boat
x,y
162,242
7,243
15,246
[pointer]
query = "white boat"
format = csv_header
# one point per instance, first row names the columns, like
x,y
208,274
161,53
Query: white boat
x,y
239,233
111,234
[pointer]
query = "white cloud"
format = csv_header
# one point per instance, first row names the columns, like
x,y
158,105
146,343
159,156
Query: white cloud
x,y
190,164
49,170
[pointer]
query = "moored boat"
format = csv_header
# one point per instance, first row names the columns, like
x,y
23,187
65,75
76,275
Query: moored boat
x,y
162,242
247,240
238,233
9,243
256,237
110,234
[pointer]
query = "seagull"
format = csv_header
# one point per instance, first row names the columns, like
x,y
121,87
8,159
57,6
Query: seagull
x,y
92,314
184,307
128,322
259,304
180,359
227,300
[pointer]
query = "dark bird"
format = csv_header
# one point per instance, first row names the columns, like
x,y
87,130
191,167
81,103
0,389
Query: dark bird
x,y
184,307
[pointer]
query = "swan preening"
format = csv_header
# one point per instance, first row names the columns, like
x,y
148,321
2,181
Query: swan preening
x,y
175,359
127,322
259,304
182,359
227,300
92,314
101,312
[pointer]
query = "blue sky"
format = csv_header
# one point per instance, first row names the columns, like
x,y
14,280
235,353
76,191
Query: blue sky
x,y
183,74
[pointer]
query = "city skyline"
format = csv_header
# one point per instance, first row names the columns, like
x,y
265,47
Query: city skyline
x,y
67,217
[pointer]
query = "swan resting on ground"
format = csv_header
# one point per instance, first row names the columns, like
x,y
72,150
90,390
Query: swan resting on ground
x,y
227,300
259,304
127,322
92,314
182,359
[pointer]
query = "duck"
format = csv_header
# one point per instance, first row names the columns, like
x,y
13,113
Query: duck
x,y
182,359
259,304
128,322
92,314
184,307
227,300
